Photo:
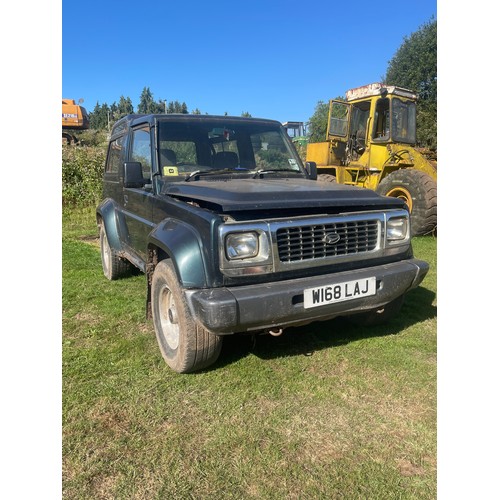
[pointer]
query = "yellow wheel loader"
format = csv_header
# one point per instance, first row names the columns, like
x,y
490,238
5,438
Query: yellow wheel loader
x,y
370,143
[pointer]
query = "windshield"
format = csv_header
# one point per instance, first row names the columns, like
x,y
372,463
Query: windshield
x,y
188,146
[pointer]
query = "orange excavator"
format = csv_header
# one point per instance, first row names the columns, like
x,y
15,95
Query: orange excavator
x,y
74,117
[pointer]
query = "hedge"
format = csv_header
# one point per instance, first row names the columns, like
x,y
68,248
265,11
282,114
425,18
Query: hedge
x,y
82,171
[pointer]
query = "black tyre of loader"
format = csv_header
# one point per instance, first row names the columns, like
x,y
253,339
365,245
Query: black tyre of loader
x,y
419,191
327,178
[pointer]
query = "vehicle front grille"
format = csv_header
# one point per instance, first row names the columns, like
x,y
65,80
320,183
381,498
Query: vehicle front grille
x,y
309,242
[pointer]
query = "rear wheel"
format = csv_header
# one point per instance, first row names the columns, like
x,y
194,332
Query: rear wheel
x,y
185,345
419,191
113,266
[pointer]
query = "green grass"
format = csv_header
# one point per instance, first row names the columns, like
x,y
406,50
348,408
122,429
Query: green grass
x,y
327,410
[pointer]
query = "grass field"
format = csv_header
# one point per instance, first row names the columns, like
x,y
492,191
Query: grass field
x,y
328,410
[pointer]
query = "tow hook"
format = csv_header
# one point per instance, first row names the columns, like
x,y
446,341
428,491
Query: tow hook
x,y
275,332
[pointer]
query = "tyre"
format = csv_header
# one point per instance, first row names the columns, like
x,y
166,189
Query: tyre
x,y
327,178
378,316
114,267
419,191
185,345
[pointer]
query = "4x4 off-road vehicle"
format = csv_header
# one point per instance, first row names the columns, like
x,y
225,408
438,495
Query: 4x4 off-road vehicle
x,y
235,235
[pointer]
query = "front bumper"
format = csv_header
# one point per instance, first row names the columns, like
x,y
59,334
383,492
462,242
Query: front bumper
x,y
280,304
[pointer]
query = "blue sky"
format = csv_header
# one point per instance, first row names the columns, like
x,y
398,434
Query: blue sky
x,y
273,59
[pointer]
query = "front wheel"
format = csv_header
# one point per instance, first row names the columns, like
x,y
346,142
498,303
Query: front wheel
x,y
185,345
419,191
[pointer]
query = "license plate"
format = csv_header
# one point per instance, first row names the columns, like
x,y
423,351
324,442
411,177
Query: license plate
x,y
331,294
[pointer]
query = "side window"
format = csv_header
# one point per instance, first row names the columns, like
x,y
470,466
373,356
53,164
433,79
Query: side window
x,y
114,155
141,150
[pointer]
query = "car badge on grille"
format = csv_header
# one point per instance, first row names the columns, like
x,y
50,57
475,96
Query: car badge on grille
x,y
331,238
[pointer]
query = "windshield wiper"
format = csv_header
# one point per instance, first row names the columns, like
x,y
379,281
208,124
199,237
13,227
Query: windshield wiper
x,y
275,170
199,173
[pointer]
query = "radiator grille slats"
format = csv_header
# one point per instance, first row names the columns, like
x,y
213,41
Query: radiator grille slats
x,y
309,242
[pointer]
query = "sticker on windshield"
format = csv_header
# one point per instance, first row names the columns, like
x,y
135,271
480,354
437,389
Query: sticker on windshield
x,y
293,163
170,171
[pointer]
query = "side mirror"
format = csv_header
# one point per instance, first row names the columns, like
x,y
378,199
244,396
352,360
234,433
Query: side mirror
x,y
312,170
132,175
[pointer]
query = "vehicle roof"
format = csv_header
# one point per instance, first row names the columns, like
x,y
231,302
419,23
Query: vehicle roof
x,y
133,120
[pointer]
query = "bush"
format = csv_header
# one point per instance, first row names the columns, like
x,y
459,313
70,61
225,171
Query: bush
x,y
82,170
91,137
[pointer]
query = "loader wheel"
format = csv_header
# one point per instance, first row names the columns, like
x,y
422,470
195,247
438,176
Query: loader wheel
x,y
327,178
419,191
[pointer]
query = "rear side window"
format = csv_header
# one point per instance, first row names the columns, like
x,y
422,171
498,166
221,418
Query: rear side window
x,y
114,155
141,150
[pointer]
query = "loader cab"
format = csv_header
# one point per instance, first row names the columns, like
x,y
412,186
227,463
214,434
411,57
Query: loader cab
x,y
394,120
379,119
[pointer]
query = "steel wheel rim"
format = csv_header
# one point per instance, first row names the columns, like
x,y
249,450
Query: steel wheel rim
x,y
402,194
168,318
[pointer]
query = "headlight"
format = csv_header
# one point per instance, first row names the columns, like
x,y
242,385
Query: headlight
x,y
245,248
242,245
397,228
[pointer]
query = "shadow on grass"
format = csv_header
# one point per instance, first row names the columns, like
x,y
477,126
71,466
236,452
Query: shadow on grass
x,y
305,340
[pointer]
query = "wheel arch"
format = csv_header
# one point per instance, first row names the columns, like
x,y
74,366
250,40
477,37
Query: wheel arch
x,y
175,240
106,215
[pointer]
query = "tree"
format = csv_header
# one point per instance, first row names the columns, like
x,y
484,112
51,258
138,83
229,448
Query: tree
x,y
318,123
146,102
125,106
414,66
94,116
177,107
246,114
99,117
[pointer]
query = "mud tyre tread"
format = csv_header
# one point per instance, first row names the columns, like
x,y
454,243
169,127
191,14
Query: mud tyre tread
x,y
423,190
113,266
194,347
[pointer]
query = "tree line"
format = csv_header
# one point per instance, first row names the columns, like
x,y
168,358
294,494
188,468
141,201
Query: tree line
x,y
104,116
